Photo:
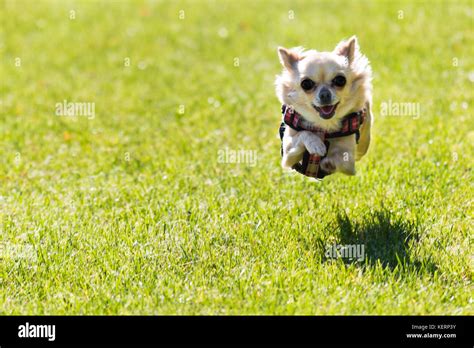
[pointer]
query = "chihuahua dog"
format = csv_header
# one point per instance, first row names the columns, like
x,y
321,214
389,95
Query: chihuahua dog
x,y
323,87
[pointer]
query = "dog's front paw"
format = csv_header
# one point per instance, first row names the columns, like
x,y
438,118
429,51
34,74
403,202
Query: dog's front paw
x,y
334,164
328,165
314,144
316,147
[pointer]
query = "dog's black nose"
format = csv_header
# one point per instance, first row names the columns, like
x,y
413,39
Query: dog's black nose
x,y
325,96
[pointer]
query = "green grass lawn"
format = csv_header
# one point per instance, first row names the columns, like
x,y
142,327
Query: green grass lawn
x,y
131,212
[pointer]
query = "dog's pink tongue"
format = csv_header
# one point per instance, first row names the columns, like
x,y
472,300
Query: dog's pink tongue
x,y
327,109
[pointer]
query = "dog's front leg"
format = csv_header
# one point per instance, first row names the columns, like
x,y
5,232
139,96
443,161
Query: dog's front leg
x,y
295,143
340,156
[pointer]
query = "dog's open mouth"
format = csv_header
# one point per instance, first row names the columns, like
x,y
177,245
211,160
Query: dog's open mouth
x,y
326,111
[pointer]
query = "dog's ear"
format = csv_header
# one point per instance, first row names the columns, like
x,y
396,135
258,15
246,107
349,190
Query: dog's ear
x,y
348,48
288,58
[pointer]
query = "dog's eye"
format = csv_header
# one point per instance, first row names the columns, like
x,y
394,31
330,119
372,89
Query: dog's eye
x,y
339,81
307,84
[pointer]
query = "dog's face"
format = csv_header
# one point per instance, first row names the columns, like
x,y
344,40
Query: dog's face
x,y
324,86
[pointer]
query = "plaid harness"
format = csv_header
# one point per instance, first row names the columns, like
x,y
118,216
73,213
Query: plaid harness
x,y
309,165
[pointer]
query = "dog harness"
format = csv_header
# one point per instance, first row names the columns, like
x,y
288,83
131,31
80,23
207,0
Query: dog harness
x,y
309,165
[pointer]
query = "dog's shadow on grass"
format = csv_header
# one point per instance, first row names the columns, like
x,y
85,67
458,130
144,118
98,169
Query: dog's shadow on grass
x,y
387,240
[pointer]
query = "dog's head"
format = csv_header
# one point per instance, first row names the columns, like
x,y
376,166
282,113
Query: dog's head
x,y
324,86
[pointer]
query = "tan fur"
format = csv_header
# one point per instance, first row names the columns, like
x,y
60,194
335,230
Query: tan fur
x,y
322,67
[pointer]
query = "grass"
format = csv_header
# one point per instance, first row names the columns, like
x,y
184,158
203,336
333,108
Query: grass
x,y
130,212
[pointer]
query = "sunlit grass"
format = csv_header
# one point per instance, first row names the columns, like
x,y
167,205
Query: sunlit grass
x,y
130,212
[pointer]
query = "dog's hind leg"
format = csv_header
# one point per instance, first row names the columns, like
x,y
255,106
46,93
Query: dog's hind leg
x,y
364,141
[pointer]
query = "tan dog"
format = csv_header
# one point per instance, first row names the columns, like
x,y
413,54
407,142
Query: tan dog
x,y
323,87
